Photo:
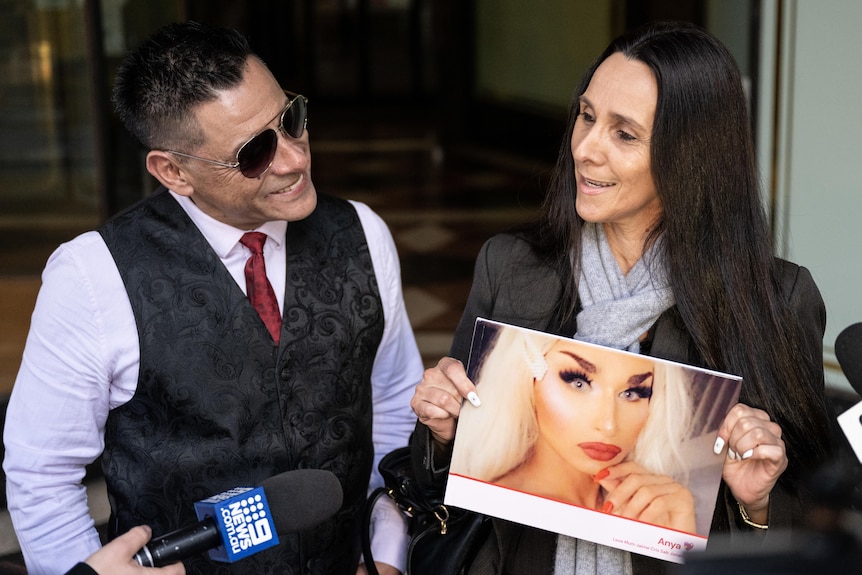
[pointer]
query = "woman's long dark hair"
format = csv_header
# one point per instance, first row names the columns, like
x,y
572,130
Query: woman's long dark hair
x,y
717,247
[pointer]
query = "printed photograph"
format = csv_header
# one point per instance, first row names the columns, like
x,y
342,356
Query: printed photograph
x,y
589,441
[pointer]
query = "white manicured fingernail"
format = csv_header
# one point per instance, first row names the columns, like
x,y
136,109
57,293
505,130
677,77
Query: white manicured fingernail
x,y
747,454
474,399
719,445
731,453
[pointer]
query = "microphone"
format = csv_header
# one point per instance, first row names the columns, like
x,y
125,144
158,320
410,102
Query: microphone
x,y
848,352
245,520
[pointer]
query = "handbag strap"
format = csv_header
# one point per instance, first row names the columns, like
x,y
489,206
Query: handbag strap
x,y
365,534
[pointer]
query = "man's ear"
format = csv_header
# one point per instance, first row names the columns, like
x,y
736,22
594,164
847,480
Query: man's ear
x,y
169,172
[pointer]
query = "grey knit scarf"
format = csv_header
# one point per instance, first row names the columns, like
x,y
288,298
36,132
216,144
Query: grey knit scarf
x,y
617,310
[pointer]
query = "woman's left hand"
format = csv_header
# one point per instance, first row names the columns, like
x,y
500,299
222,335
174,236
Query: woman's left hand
x,y
756,458
636,493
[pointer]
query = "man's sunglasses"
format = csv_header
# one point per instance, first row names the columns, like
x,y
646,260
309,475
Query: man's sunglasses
x,y
255,156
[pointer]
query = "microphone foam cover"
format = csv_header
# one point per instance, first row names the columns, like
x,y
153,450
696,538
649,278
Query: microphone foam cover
x,y
848,351
302,498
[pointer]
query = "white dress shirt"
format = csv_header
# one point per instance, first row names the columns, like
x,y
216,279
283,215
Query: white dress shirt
x,y
81,360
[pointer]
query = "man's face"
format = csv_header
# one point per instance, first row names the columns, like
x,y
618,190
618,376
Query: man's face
x,y
284,192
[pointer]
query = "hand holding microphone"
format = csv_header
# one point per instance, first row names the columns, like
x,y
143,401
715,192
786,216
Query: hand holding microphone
x,y
115,558
243,521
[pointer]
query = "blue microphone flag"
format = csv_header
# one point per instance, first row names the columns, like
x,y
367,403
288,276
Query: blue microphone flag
x,y
244,522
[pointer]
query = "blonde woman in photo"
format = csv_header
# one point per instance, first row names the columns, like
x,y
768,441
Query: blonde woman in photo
x,y
580,424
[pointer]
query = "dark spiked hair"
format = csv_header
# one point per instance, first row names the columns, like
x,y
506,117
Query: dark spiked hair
x,y
179,67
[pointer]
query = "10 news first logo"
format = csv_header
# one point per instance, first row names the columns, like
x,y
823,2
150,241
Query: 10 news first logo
x,y
244,522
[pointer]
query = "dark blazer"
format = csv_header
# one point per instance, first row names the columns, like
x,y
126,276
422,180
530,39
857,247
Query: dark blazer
x,y
512,284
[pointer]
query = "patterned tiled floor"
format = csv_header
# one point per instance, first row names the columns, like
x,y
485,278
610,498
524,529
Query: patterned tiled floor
x,y
438,221
439,204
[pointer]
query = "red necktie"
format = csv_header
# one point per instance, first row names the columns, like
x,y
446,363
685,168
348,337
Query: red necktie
x,y
259,290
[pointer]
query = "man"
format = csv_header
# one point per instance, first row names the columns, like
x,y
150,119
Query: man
x,y
144,344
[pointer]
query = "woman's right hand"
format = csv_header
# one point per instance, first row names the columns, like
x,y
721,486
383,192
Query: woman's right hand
x,y
438,397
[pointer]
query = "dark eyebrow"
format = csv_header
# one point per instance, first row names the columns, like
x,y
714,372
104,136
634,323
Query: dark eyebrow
x,y
618,118
638,379
588,367
634,381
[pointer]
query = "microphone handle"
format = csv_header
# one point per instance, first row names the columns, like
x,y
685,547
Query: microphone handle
x,y
180,544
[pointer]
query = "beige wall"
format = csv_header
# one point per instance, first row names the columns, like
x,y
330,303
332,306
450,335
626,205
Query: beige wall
x,y
535,52
816,169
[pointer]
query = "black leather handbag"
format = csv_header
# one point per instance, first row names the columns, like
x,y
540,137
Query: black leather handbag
x,y
443,540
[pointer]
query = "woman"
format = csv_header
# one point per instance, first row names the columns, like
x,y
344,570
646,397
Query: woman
x,y
653,238
565,420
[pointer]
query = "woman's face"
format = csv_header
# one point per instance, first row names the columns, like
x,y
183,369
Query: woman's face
x,y
611,146
591,405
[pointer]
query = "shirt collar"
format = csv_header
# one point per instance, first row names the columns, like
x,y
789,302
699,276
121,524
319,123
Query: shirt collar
x,y
221,236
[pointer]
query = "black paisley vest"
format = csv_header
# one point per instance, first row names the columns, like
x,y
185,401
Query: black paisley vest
x,y
218,405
